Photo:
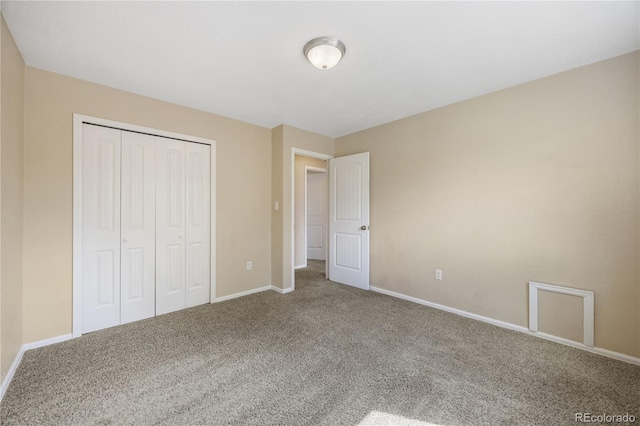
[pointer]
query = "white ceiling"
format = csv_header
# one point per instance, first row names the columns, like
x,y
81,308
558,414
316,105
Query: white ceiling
x,y
244,59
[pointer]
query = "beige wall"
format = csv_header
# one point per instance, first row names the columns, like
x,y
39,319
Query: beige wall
x,y
536,182
288,137
11,176
299,220
243,190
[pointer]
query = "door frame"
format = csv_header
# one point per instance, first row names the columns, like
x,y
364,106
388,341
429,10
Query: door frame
x,y
298,151
78,121
318,170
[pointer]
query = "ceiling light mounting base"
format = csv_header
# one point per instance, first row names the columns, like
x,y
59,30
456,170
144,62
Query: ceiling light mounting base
x,y
324,52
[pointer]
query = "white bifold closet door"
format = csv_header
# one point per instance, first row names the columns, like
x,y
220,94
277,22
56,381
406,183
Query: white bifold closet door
x,y
145,226
182,225
138,227
100,228
198,224
170,226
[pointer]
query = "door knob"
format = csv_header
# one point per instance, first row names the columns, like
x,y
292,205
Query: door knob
x,y
364,227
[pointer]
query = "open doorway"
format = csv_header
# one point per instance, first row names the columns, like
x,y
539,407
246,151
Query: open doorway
x,y
316,214
310,232
347,233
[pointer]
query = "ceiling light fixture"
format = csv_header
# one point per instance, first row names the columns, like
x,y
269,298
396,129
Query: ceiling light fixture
x,y
324,52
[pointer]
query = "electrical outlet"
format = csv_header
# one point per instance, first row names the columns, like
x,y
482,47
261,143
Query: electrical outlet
x,y
277,206
439,274
249,265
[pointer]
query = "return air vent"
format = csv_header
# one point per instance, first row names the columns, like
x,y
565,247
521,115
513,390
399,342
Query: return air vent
x,y
587,307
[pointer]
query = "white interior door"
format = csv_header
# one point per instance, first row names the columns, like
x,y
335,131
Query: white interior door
x,y
316,215
170,225
100,227
198,219
138,227
349,220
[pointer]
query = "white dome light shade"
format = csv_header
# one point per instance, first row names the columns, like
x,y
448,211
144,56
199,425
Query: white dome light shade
x,y
324,56
324,52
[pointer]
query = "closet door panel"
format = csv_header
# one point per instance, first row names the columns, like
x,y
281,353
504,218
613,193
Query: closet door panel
x,y
138,224
198,220
100,227
170,225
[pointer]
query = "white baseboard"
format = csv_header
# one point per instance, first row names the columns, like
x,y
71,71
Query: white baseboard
x,y
11,372
452,310
280,290
255,290
600,351
242,293
46,342
300,266
18,358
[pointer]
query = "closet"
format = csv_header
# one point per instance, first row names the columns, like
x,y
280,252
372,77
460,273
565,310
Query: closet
x,y
146,236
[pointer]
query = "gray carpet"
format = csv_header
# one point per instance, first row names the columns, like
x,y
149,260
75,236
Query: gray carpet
x,y
325,354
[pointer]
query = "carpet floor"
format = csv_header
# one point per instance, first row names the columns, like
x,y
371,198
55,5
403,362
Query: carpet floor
x,y
325,354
